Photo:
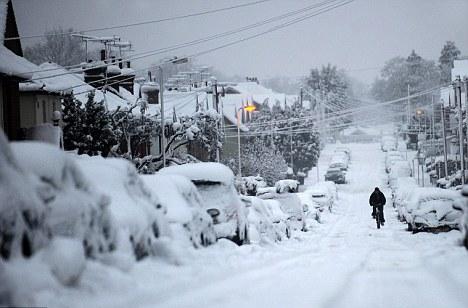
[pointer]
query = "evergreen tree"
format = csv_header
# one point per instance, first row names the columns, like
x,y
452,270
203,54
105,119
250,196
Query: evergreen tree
x,y
448,54
90,129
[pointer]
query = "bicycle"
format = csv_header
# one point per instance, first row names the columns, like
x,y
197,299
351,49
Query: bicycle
x,y
377,216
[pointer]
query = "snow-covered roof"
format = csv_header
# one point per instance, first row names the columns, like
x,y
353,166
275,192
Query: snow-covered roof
x,y
10,63
67,82
210,172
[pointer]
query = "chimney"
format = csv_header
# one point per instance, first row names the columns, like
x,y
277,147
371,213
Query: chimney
x,y
103,54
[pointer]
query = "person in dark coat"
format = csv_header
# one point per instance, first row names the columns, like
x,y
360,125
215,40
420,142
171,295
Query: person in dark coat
x,y
377,198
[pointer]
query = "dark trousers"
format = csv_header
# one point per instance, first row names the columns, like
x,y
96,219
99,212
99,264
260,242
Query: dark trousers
x,y
382,218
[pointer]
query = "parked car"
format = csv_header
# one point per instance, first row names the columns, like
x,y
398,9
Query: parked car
x,y
399,169
291,205
263,224
187,217
433,209
287,186
345,150
464,220
392,157
321,196
215,182
335,175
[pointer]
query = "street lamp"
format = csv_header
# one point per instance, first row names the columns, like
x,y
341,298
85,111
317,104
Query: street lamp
x,y
248,108
174,60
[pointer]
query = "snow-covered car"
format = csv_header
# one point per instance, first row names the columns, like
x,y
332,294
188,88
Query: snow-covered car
x,y
22,210
433,209
76,208
138,214
342,149
185,213
291,205
262,221
400,169
464,219
391,158
335,175
287,186
402,190
280,218
253,183
321,196
215,182
388,143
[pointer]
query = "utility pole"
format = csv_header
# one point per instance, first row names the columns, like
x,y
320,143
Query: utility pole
x,y
161,101
457,88
409,108
291,145
444,139
301,97
216,107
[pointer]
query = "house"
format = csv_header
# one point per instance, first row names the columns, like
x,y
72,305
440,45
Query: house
x,y
13,69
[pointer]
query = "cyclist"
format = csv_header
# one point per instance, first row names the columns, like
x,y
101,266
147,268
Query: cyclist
x,y
377,198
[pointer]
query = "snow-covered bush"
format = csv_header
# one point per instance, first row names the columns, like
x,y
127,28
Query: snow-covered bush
x,y
188,219
22,212
66,259
138,215
75,208
288,186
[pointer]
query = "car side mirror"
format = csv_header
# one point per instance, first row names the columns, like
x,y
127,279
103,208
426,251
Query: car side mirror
x,y
213,212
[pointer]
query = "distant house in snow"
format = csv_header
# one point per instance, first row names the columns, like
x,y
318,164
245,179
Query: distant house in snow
x,y
13,69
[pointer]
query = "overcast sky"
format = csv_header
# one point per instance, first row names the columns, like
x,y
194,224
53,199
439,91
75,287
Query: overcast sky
x,y
358,36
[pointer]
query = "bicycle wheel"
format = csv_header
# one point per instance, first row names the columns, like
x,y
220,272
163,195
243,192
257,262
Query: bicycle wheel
x,y
377,217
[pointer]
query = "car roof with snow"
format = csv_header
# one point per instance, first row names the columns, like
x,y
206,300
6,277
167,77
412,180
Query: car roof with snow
x,y
200,173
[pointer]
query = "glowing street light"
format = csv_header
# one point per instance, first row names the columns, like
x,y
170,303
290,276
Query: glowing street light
x,y
248,108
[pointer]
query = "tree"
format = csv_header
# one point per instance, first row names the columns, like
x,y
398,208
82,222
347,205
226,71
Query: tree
x,y
329,86
448,54
88,129
420,74
258,158
57,47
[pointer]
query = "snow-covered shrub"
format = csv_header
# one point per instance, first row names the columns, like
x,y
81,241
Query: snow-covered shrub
x,y
138,215
22,212
185,212
289,186
75,208
66,259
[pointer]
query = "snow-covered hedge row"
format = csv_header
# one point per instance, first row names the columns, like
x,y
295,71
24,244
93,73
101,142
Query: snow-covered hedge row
x,y
22,212
137,214
74,208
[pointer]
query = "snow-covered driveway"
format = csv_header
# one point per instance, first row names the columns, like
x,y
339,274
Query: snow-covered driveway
x,y
345,262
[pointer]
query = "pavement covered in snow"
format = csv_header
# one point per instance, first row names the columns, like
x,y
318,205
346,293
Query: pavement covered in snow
x,y
343,262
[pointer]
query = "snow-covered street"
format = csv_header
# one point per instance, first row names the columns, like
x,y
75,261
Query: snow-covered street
x,y
344,262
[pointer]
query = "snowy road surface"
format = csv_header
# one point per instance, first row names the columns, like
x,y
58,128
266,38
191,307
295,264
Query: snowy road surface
x,y
344,262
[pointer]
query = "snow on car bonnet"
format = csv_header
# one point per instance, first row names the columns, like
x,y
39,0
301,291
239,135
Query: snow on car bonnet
x,y
202,172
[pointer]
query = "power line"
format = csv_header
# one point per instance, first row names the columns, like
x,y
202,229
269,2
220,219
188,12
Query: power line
x,y
275,28
174,47
140,23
